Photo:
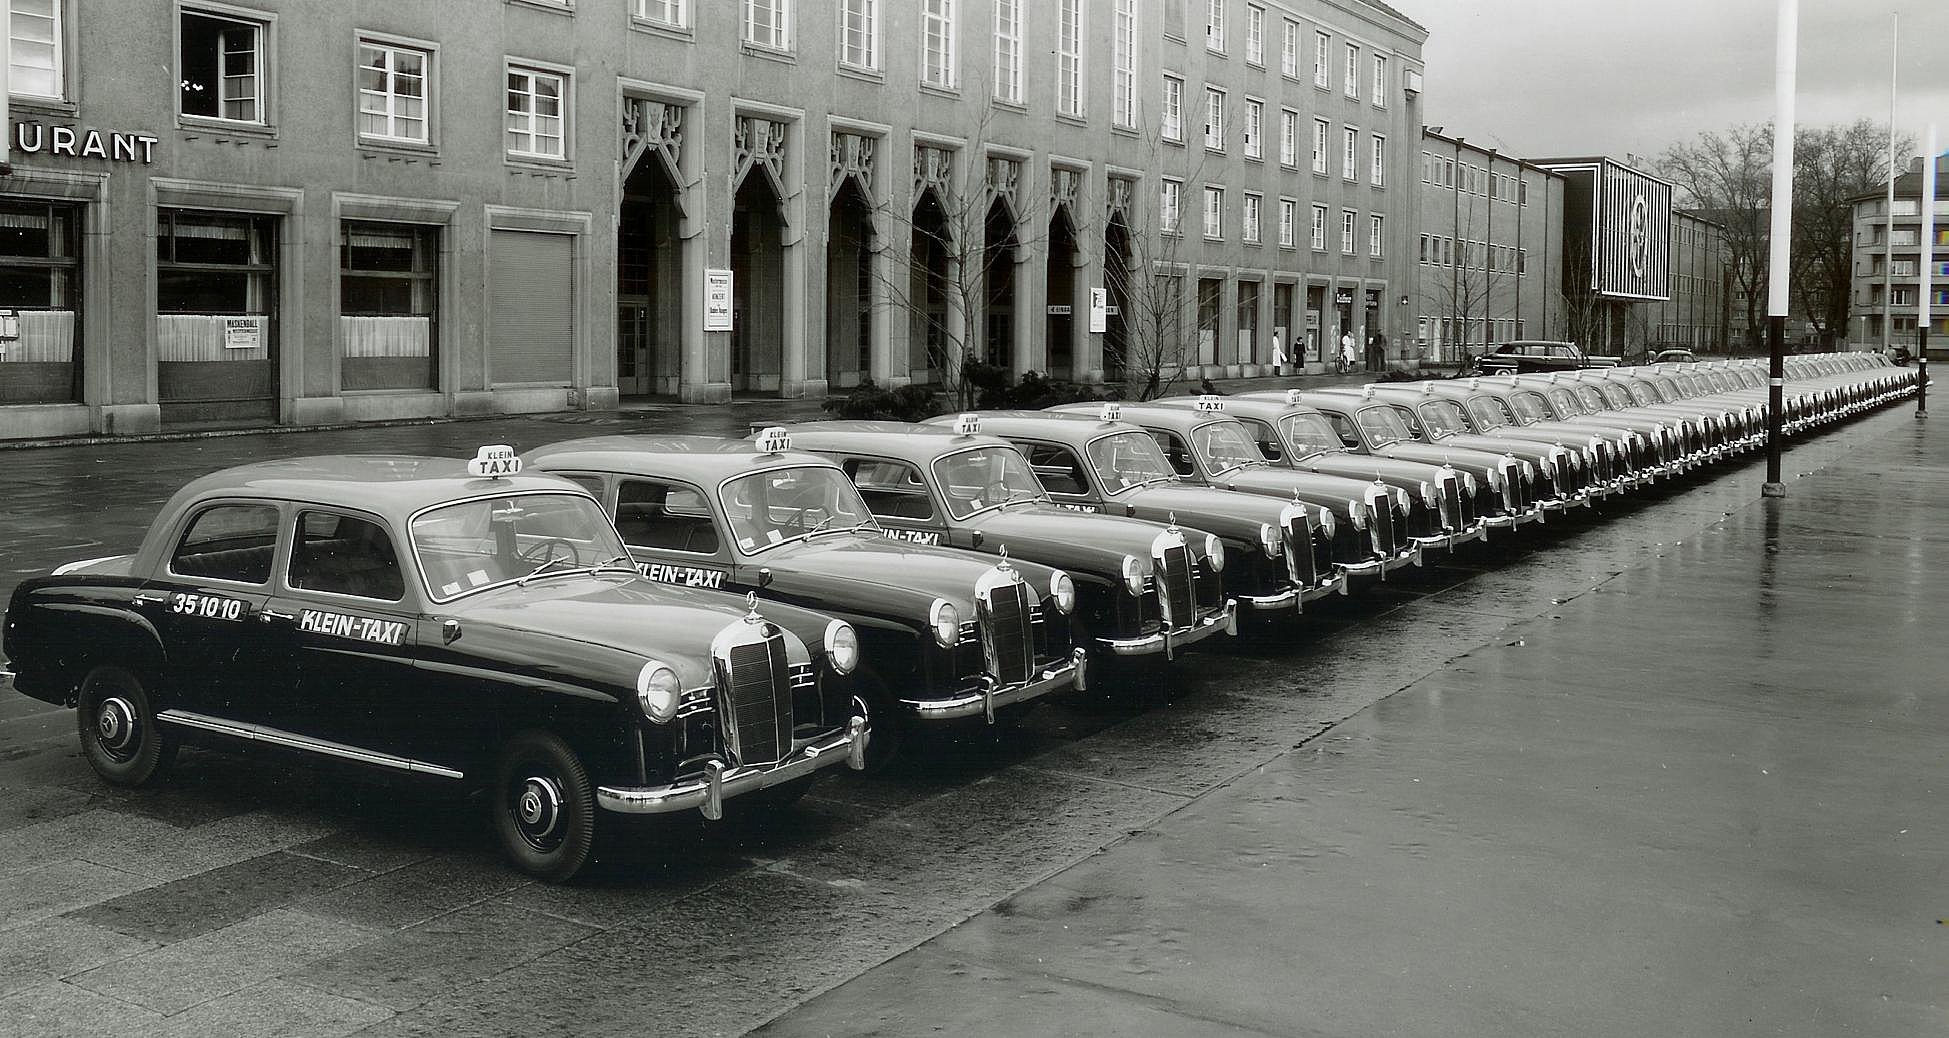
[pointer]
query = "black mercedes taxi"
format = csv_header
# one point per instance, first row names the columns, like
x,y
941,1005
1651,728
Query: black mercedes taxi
x,y
459,624
955,485
948,633
1101,464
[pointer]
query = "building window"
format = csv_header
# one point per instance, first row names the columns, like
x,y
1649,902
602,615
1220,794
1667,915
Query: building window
x,y
1214,212
1376,240
222,68
392,92
859,35
1249,217
673,13
1380,80
1350,154
1319,228
1289,138
1170,197
1214,119
1069,57
1348,245
535,120
1123,60
1320,146
34,54
216,292
1322,60
1254,129
1353,70
388,304
1173,128
1008,51
1378,176
768,23
1289,51
40,267
937,43
1288,223
1522,192
1215,25
1255,34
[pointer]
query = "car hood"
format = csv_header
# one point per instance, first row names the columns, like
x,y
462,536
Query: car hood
x,y
1527,448
1461,455
1074,541
887,571
1408,475
1329,491
1229,514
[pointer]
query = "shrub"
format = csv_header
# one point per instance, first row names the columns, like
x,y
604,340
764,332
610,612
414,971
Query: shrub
x,y
870,402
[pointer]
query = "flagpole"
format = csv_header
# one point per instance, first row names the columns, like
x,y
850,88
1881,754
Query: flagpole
x,y
1888,227
1785,61
1928,274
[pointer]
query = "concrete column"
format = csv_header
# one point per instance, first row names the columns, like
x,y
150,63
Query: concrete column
x,y
802,374
1226,356
705,377
1031,306
887,350
1085,348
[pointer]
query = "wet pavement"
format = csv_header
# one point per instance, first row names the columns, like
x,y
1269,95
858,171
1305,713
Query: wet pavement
x,y
1673,767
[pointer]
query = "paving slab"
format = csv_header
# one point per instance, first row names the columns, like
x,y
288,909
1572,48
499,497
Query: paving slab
x,y
215,899
174,978
440,955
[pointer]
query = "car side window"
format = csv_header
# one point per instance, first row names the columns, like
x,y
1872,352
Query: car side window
x,y
1058,469
345,555
892,489
1343,427
228,542
1267,440
666,516
1175,451
592,484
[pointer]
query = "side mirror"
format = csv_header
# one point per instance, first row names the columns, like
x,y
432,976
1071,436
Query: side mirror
x,y
976,540
764,577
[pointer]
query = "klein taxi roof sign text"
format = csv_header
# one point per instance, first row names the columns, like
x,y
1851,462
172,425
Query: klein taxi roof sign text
x,y
774,440
494,461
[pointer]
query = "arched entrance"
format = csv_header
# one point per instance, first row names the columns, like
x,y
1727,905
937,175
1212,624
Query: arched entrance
x,y
1116,284
757,288
849,288
998,286
649,284
931,280
1060,282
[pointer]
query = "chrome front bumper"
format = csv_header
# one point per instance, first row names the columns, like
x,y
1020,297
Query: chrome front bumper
x,y
1333,585
721,781
990,698
1296,597
1170,642
1382,567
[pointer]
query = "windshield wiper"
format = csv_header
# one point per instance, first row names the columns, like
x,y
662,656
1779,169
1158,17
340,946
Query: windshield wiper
x,y
552,560
619,562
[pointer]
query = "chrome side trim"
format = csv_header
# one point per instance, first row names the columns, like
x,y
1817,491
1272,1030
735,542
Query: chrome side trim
x,y
291,740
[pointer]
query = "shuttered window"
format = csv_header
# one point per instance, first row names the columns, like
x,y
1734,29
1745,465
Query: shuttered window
x,y
533,301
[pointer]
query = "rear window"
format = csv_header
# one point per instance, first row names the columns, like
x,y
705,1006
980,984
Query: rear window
x,y
228,542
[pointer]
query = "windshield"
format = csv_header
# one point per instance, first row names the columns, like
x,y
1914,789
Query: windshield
x,y
1125,460
1615,395
1382,426
1225,446
1488,412
1592,399
771,507
1443,418
475,545
1308,434
1642,393
1530,407
1566,402
987,477
1668,389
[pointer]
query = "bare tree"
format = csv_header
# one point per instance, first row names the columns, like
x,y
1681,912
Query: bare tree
x,y
1727,175
1832,166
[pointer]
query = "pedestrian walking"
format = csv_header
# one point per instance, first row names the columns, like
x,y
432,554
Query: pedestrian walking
x,y
1278,354
1346,351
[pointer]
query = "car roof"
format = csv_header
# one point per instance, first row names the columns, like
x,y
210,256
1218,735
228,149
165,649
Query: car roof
x,y
1060,425
907,441
698,459
389,485
1155,414
1256,407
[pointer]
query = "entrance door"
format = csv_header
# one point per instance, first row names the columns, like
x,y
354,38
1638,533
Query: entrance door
x,y
532,308
216,317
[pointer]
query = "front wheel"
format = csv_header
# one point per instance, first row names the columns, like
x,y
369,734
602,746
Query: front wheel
x,y
544,807
119,734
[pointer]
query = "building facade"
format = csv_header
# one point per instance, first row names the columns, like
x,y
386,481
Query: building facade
x,y
1698,315
298,213
1490,248
1888,258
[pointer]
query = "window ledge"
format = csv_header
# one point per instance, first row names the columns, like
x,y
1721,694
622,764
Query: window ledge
x,y
759,50
1006,105
561,7
664,29
411,149
1079,121
226,127
1254,158
865,75
42,106
1124,131
538,164
941,91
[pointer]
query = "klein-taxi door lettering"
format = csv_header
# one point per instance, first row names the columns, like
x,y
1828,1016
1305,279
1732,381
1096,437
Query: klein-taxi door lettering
x,y
358,628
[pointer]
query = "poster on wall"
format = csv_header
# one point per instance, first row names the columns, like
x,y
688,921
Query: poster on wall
x,y
1099,310
241,333
717,300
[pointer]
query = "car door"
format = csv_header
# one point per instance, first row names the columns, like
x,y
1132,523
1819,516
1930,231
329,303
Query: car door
x,y
207,604
672,532
353,632
899,498
1063,475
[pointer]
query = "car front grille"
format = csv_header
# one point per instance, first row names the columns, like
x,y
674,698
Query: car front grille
x,y
756,705
1175,591
1380,523
1007,632
1301,565
1452,512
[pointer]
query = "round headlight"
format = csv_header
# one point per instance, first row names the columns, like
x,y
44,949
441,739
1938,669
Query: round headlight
x,y
1468,482
947,623
1357,511
1428,494
1134,574
842,646
1401,500
1269,541
1529,471
1328,523
1063,590
658,691
1215,552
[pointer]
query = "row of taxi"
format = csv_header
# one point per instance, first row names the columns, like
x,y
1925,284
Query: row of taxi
x,y
638,625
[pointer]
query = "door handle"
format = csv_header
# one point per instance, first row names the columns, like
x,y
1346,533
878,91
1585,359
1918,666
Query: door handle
x,y
269,615
145,598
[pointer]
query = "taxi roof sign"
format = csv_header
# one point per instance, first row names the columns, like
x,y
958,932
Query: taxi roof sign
x,y
493,461
774,440
967,425
1293,397
1210,404
1112,412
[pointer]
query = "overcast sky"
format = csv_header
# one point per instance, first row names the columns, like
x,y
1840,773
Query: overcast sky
x,y
1544,78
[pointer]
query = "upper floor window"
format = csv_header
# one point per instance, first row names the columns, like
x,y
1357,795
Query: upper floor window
x,y
1321,144
674,13
1288,221
1173,126
1170,195
1214,212
1319,227
1350,154
1008,51
1214,119
1378,175
392,92
937,43
1380,80
1215,25
1289,51
1123,61
222,68
34,54
1255,34
1322,59
535,113
1348,233
1289,138
768,23
1249,219
1254,129
1376,236
1069,57
859,34
1353,70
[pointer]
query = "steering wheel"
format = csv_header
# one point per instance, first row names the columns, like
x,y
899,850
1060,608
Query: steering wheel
x,y
544,551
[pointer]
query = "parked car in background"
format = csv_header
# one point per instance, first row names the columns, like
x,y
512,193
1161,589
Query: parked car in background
x,y
1527,355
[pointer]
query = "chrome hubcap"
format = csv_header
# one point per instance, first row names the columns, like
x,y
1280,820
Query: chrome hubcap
x,y
538,811
115,726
